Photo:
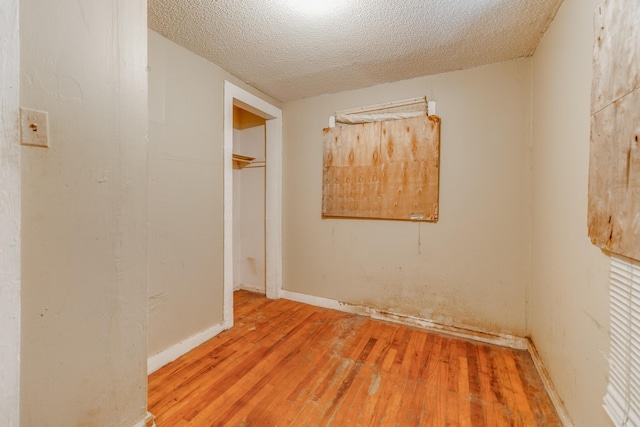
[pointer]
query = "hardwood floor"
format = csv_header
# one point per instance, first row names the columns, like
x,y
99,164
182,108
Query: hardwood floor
x,y
291,364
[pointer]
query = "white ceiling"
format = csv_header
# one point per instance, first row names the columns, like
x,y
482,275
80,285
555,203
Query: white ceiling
x,y
289,55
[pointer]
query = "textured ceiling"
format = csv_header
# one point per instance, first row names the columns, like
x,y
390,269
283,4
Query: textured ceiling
x,y
289,55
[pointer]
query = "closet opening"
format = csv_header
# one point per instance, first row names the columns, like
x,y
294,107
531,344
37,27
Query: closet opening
x,y
249,179
252,196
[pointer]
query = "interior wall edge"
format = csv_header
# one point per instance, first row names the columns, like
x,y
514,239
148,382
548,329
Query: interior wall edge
x,y
529,283
568,300
10,216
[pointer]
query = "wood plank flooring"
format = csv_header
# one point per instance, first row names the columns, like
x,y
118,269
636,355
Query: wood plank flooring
x,y
291,364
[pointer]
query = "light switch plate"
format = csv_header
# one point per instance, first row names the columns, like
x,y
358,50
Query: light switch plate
x,y
34,128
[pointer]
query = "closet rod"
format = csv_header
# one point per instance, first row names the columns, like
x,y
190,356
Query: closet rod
x,y
257,164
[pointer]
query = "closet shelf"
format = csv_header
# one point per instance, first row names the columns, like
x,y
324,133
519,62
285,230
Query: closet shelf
x,y
240,161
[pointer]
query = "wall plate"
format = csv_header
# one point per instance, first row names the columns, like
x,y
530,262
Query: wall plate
x,y
34,128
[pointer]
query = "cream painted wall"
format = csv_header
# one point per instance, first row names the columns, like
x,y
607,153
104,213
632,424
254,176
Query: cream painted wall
x,y
185,193
249,214
568,297
9,216
472,267
84,214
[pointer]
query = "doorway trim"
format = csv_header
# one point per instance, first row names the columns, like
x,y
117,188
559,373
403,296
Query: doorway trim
x,y
233,95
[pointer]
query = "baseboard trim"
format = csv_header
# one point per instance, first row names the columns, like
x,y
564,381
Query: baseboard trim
x,y
159,360
148,421
563,414
459,331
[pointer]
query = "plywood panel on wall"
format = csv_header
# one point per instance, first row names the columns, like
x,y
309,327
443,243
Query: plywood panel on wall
x,y
383,170
614,170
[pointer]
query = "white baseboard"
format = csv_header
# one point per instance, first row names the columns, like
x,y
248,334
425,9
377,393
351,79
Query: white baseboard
x,y
549,387
459,331
255,290
158,360
148,421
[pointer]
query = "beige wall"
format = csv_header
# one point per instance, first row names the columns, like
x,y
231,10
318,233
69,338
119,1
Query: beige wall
x,y
84,214
471,267
248,214
9,216
568,298
185,193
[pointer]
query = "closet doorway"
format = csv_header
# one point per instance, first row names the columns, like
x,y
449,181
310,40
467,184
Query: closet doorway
x,y
252,196
249,167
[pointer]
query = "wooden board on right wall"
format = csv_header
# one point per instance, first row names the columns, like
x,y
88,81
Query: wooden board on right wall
x,y
614,165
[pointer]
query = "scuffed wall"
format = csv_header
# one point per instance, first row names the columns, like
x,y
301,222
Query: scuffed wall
x,y
9,216
472,267
568,298
84,214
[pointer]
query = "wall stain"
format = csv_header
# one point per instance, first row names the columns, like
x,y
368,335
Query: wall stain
x,y
254,265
